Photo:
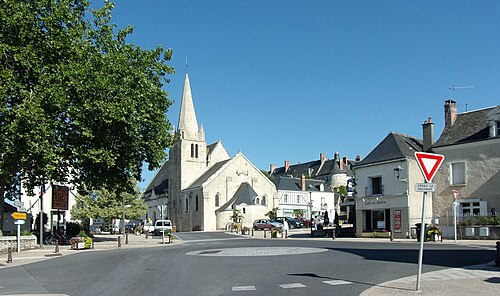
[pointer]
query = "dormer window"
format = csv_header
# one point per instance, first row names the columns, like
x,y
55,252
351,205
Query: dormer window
x,y
497,130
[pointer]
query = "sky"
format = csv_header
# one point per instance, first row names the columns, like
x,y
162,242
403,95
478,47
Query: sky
x,y
288,80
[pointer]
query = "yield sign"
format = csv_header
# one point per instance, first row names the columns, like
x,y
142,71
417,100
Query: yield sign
x,y
429,163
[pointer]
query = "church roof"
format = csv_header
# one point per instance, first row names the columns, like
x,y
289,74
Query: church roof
x,y
245,194
187,117
393,146
203,178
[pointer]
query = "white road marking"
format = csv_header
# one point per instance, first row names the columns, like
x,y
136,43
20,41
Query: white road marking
x,y
292,286
243,288
337,282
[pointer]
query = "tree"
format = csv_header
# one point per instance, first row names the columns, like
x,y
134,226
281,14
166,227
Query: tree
x,y
237,217
272,214
108,205
78,104
298,213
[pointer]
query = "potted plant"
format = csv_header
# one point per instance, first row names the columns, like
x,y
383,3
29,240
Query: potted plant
x,y
433,233
275,231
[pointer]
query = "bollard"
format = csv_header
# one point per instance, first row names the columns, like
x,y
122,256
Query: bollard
x,y
333,234
252,231
92,244
391,236
264,233
9,255
126,238
147,234
57,247
282,234
497,260
119,242
286,233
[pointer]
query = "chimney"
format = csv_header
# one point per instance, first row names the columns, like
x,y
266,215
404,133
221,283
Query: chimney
x,y
322,157
358,158
272,167
450,112
341,164
287,165
336,156
345,160
428,134
303,182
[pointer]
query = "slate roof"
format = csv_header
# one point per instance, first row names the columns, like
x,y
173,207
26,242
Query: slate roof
x,y
394,146
468,127
203,178
294,184
244,194
314,168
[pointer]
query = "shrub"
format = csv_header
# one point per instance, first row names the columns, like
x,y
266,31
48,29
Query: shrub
x,y
73,228
88,242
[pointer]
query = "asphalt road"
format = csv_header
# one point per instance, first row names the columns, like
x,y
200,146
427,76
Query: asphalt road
x,y
223,264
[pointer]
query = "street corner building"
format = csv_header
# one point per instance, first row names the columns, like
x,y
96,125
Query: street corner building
x,y
200,185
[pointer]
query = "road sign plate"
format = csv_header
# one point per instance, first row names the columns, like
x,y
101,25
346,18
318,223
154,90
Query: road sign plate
x,y
425,187
18,215
429,163
19,222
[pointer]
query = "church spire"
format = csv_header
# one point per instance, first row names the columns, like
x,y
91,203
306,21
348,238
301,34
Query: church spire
x,y
188,126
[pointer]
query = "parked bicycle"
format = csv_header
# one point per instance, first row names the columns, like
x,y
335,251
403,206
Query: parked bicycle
x,y
52,238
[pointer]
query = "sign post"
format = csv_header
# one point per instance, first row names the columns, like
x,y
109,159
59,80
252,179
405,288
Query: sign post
x,y
429,163
455,206
20,217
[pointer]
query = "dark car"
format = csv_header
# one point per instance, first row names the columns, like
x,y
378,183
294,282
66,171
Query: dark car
x,y
261,224
131,225
292,222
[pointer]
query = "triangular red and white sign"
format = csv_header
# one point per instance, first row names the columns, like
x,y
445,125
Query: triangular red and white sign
x,y
429,163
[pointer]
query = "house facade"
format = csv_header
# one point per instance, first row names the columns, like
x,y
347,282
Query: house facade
x,y
470,142
333,173
200,185
385,182
305,195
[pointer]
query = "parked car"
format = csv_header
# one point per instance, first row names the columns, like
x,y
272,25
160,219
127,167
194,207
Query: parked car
x,y
261,224
305,221
131,225
147,226
292,222
161,225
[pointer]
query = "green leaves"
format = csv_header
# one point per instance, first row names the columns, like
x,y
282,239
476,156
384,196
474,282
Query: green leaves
x,y
77,102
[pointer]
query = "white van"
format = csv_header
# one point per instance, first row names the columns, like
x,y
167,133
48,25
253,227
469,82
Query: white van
x,y
161,225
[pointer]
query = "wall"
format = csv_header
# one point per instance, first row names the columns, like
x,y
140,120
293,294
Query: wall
x,y
27,243
482,175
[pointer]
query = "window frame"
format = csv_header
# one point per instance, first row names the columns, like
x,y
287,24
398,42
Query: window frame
x,y
452,176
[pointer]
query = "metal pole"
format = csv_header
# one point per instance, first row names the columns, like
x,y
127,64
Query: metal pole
x,y
123,205
18,238
162,229
455,219
40,225
421,249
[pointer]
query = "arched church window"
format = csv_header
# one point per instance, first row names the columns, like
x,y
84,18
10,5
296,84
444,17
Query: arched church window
x,y
217,200
196,150
244,211
187,205
264,200
192,150
257,201
197,204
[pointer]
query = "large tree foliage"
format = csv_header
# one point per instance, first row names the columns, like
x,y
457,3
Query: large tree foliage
x,y
78,104
108,205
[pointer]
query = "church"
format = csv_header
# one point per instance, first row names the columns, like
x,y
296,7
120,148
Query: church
x,y
200,185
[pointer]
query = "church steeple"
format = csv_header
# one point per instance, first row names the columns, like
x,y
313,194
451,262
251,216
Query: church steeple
x,y
188,126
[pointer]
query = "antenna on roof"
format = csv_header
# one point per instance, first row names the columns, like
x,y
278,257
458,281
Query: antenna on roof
x,y
453,87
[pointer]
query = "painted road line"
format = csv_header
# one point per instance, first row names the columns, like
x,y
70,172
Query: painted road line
x,y
243,288
337,282
292,286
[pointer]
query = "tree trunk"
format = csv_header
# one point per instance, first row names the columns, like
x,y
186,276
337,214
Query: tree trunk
x,y
2,207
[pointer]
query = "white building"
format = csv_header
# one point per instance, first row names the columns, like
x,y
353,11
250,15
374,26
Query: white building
x,y
200,185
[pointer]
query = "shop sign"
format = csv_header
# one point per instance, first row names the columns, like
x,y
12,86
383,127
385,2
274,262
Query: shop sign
x,y
60,196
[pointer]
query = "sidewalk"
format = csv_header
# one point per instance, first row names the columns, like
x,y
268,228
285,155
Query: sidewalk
x,y
102,242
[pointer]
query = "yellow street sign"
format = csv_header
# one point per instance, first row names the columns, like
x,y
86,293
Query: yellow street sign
x,y
19,216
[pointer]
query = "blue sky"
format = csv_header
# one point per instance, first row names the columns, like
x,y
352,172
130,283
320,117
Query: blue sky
x,y
287,80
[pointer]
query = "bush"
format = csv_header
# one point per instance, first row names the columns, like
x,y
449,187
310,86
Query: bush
x,y
88,242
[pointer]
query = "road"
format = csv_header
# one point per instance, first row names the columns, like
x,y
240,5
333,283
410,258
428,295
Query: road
x,y
224,264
